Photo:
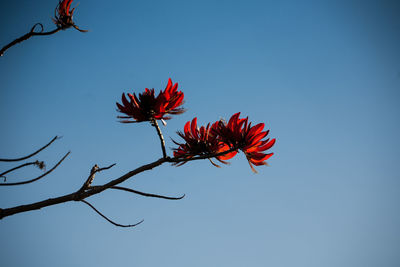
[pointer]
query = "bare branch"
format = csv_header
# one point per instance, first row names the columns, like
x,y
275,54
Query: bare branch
x,y
160,135
39,177
110,221
90,179
106,168
146,194
40,164
77,196
27,36
34,153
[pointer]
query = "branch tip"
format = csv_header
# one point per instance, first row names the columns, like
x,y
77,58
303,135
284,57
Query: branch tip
x,y
34,153
109,220
145,194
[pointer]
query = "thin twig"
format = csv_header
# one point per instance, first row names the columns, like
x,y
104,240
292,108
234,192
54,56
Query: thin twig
x,y
110,221
27,36
90,179
145,194
39,177
34,153
106,168
160,135
38,163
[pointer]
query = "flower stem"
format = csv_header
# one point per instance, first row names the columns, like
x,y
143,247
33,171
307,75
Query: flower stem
x,y
155,124
28,35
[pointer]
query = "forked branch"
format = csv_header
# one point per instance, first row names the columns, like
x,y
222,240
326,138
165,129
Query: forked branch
x,y
39,177
93,172
79,195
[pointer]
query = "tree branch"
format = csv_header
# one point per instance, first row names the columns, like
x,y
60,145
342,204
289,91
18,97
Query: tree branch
x,y
78,196
39,177
40,164
145,194
105,217
27,36
34,153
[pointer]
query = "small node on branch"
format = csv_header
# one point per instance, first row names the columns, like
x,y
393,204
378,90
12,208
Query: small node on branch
x,y
37,178
40,164
92,174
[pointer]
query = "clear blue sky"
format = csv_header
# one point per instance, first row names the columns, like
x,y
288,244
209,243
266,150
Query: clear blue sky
x,y
323,75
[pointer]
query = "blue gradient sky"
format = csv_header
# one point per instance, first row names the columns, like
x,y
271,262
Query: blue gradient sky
x,y
323,75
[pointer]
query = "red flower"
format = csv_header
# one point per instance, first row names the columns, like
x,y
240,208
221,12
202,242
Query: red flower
x,y
198,142
239,134
63,15
148,107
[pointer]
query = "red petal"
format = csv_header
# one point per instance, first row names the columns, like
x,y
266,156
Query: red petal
x,y
267,145
256,129
233,120
255,139
186,128
120,107
125,102
194,128
260,158
169,84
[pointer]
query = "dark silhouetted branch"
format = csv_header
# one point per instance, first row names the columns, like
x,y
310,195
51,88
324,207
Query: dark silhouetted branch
x,y
39,164
110,221
34,153
78,195
39,177
28,35
146,194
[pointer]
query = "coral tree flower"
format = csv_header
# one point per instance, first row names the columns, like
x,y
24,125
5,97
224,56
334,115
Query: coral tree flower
x,y
148,107
198,141
63,15
239,134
